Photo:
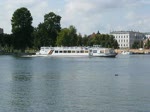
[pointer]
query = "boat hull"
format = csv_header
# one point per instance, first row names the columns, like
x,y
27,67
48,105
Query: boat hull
x,y
106,55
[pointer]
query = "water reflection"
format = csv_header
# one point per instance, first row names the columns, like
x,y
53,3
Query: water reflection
x,y
23,76
46,85
21,85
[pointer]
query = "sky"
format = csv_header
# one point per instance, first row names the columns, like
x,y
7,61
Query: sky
x,y
87,16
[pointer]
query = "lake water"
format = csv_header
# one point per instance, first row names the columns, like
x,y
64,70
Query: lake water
x,y
46,84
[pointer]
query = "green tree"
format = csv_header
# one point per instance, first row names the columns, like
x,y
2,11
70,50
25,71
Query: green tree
x,y
73,36
52,23
63,38
1,40
85,40
68,37
6,42
22,28
104,40
116,45
41,36
136,45
46,33
147,44
79,40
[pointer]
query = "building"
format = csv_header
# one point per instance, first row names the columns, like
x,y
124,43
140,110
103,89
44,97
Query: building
x,y
1,31
126,39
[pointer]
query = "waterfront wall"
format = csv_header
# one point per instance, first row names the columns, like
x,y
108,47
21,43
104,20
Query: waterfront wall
x,y
135,51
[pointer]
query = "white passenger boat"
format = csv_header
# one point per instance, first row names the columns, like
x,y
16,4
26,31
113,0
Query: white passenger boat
x,y
95,51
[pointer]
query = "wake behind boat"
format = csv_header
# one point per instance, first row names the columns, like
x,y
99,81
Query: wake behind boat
x,y
95,51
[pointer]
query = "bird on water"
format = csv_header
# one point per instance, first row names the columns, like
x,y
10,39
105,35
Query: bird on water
x,y
116,74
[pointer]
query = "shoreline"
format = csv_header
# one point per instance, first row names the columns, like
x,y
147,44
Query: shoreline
x,y
118,51
134,51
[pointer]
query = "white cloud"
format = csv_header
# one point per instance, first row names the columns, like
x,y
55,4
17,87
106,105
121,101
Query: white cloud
x,y
90,15
87,16
141,24
37,8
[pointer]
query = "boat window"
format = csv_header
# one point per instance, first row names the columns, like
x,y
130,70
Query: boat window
x,y
86,51
94,51
106,51
73,51
42,48
78,51
102,51
60,51
65,51
69,51
56,51
82,51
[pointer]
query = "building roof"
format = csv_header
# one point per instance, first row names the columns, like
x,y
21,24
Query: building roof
x,y
123,32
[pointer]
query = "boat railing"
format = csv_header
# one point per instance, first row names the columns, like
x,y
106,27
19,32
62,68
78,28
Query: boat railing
x,y
71,48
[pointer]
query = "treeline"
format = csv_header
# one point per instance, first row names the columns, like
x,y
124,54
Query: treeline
x,y
141,44
47,33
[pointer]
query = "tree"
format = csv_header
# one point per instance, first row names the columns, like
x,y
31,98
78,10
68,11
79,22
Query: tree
x,y
147,44
72,36
104,40
79,40
63,38
41,36
6,41
46,33
116,45
68,37
85,40
22,28
52,23
136,44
